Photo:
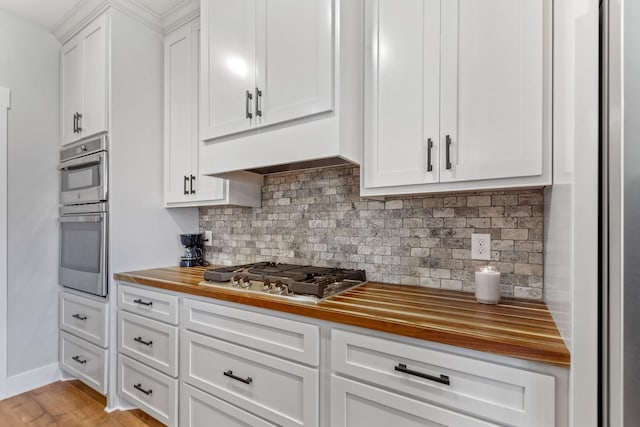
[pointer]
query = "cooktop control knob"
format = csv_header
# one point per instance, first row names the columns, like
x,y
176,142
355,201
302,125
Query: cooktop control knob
x,y
279,287
246,282
235,281
266,285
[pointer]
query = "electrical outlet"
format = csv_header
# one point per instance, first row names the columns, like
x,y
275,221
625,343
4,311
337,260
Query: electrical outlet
x,y
208,238
481,246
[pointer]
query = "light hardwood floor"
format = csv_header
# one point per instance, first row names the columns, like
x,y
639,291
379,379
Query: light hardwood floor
x,y
67,404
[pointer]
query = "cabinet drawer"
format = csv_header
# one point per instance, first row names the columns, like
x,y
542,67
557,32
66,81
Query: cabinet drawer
x,y
154,305
84,317
496,392
149,341
282,392
153,392
354,404
84,360
199,409
286,338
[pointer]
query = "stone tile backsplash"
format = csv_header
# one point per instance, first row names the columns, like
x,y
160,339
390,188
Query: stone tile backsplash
x,y
317,217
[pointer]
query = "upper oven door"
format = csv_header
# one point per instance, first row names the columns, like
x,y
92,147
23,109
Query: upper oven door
x,y
83,253
84,179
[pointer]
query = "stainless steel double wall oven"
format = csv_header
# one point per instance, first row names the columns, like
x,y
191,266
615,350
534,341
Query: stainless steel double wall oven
x,y
84,218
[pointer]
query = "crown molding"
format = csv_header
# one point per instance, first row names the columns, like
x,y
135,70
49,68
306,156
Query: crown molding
x,y
86,11
180,14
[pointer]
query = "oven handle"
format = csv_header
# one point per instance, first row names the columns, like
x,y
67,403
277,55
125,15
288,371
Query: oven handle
x,y
82,162
81,218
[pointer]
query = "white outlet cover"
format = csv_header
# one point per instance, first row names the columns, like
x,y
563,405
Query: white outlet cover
x,y
208,237
481,246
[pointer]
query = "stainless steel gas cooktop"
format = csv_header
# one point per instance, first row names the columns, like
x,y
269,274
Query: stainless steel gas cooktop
x,y
299,282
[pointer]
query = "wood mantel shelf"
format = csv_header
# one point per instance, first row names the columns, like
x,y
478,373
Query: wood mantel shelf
x,y
515,327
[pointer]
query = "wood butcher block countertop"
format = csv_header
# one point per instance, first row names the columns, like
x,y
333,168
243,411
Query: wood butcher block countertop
x,y
516,328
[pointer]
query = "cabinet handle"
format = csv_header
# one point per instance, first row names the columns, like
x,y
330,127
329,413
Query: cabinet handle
x,y
184,184
448,142
193,178
442,379
75,118
229,374
141,341
79,126
429,147
139,388
80,361
79,316
258,102
247,105
139,301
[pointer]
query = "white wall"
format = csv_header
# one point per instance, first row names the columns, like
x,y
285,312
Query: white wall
x,y
29,66
571,204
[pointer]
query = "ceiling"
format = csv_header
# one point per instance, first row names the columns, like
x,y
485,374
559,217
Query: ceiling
x,y
48,13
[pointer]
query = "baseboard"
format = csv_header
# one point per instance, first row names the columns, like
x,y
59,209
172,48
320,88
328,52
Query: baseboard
x,y
29,380
120,405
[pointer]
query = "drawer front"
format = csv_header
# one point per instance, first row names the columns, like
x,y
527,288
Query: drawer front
x,y
84,360
286,338
151,304
504,394
282,392
153,392
149,341
84,317
354,404
199,409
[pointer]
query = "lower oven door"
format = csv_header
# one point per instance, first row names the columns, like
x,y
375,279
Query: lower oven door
x,y
83,252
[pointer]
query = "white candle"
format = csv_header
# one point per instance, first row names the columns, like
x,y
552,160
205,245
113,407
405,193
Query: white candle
x,y
488,285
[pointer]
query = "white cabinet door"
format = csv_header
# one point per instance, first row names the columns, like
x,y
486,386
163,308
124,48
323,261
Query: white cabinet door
x,y
358,405
294,67
84,82
71,87
207,188
183,182
198,409
94,111
228,67
492,89
402,87
181,99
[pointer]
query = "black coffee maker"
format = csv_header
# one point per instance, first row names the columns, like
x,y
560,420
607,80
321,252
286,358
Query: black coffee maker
x,y
193,250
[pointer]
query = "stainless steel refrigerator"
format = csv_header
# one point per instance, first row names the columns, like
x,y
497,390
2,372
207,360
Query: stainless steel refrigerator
x,y
620,213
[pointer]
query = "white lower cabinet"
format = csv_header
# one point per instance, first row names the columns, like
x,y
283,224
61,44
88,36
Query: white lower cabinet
x,y
84,317
83,339
354,404
237,359
200,409
84,360
149,341
151,391
224,364
470,387
278,390
148,351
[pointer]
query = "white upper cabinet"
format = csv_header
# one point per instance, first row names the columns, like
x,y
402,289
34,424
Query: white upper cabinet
x,y
492,88
180,98
264,63
281,85
294,59
84,82
184,184
457,95
228,67
71,88
403,74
